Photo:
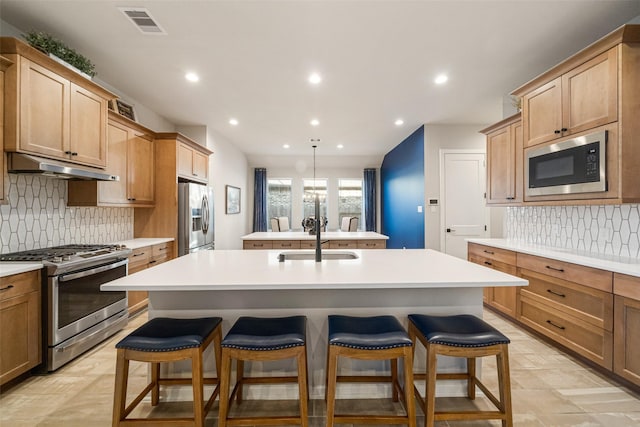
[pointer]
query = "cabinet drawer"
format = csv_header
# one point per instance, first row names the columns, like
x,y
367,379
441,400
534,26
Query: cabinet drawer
x,y
626,286
139,258
311,244
286,244
372,244
493,254
343,244
594,343
586,276
161,251
496,265
587,304
19,284
257,244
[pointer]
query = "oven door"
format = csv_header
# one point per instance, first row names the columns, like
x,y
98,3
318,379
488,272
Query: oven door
x,y
576,165
76,302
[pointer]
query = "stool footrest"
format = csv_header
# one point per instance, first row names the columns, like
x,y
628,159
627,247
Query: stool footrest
x,y
184,381
469,415
269,380
371,419
175,422
364,379
263,421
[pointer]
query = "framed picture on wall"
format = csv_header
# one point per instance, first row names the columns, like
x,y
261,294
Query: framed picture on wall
x,y
232,199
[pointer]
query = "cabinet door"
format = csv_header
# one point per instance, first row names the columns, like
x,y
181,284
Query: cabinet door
x,y
626,340
200,165
116,192
590,93
542,113
140,170
500,172
87,131
44,111
185,161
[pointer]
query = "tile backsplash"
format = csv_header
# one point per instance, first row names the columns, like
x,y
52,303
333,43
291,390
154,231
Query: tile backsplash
x,y
607,230
36,216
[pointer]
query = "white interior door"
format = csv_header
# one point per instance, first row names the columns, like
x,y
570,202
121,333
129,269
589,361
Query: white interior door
x,y
462,190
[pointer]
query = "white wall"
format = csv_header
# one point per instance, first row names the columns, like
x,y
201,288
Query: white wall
x,y
228,166
437,137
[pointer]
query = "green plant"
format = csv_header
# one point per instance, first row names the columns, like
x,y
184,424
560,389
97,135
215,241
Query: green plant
x,y
49,44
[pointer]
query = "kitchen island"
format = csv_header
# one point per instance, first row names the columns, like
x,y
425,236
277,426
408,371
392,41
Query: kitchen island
x,y
237,283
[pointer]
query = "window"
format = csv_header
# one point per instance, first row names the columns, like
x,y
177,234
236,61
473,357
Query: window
x,y
350,199
279,198
310,188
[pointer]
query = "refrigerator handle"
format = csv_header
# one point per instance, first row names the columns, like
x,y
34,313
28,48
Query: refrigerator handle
x,y
205,214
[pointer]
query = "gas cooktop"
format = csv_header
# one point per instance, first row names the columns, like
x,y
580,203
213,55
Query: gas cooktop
x,y
65,253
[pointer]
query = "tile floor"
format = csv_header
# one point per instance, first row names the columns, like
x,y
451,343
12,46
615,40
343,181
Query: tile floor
x,y
549,389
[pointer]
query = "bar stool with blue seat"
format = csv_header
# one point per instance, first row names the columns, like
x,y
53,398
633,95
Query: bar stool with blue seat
x,y
263,339
163,340
462,336
370,338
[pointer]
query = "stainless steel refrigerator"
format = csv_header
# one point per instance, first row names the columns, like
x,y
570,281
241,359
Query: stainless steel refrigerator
x,y
195,218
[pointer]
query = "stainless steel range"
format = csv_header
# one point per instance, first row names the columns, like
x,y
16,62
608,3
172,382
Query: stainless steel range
x,y
77,315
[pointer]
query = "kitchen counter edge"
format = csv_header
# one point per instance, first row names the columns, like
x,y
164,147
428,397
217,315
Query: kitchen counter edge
x,y
613,263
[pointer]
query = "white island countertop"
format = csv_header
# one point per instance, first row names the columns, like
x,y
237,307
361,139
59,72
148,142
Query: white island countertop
x,y
325,235
261,270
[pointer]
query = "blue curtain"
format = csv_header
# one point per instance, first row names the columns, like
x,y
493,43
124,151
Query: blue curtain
x,y
369,194
260,200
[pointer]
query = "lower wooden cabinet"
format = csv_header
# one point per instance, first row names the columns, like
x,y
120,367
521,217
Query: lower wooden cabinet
x,y
500,298
626,338
21,330
570,304
141,259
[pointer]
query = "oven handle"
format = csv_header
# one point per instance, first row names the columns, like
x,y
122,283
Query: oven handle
x,y
84,273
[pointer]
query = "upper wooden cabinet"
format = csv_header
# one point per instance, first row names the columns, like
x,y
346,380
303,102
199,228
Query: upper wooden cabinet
x,y
504,161
4,64
131,157
172,163
581,99
594,90
52,111
193,164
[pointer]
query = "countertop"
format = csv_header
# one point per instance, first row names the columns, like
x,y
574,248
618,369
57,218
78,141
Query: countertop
x,y
617,264
325,235
10,268
260,270
141,242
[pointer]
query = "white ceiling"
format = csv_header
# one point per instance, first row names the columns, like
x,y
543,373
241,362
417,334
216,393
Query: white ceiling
x,y
378,60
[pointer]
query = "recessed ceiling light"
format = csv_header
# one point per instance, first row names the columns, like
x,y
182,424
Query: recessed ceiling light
x,y
192,77
315,78
399,122
340,146
315,122
441,79
233,122
286,146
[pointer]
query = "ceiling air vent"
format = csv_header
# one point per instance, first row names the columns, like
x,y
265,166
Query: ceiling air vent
x,y
143,20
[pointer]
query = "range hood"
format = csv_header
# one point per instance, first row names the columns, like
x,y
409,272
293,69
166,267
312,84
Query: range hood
x,y
26,163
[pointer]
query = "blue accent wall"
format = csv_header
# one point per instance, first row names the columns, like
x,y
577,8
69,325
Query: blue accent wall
x,y
402,182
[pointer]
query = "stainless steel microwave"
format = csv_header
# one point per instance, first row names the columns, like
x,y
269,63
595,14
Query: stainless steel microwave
x,y
576,165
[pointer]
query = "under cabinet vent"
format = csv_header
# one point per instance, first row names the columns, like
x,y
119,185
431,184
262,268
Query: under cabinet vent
x,y
143,20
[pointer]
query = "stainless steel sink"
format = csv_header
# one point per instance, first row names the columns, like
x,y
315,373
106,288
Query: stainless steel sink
x,y
311,255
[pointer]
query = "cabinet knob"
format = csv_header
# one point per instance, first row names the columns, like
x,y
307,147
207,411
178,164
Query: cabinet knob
x,y
564,129
557,132
6,288
131,199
